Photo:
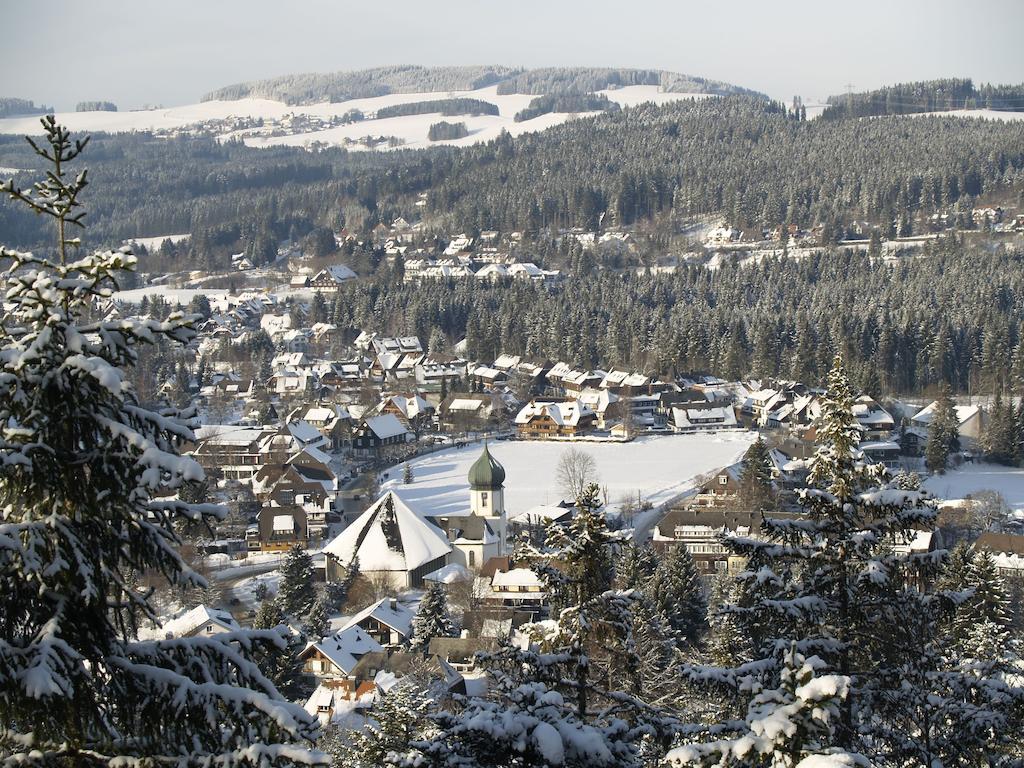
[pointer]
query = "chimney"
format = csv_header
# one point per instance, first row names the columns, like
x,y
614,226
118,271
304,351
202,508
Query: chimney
x,y
394,603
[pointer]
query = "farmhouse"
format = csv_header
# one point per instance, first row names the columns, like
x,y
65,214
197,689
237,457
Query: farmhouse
x,y
555,419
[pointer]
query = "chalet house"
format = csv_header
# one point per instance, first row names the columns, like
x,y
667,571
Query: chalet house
x,y
412,410
546,420
235,387
201,621
460,652
397,664
331,278
574,382
391,541
281,527
432,369
379,435
554,378
485,377
332,659
387,622
333,422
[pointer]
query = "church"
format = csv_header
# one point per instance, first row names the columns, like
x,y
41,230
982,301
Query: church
x,y
395,542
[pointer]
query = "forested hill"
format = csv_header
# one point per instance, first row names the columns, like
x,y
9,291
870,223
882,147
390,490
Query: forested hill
x,y
926,96
737,156
341,86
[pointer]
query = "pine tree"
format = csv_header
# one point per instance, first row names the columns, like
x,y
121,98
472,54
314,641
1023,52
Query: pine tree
x,y
756,492
432,619
943,434
281,663
678,593
296,592
317,623
999,440
88,479
636,567
399,717
407,476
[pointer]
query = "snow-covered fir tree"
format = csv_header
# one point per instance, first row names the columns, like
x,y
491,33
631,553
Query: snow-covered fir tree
x,y
297,593
678,592
317,621
88,504
838,583
432,618
756,490
943,433
397,718
636,566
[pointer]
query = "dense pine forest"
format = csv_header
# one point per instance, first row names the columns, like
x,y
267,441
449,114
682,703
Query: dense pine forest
x,y
952,316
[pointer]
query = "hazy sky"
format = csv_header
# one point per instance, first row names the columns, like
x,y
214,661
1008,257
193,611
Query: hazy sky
x,y
171,52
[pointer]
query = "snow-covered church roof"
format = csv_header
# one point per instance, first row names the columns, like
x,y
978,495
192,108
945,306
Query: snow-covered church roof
x,y
390,536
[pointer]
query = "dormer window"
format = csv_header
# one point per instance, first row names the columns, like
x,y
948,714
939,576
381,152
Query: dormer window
x,y
722,479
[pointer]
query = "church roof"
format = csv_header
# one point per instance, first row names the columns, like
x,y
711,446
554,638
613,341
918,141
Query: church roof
x,y
486,473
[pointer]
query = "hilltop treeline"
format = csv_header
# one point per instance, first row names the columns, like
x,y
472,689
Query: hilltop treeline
x,y
566,102
926,96
442,106
549,80
11,107
952,316
311,88
96,106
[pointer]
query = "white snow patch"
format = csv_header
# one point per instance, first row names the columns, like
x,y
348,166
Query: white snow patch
x,y
970,479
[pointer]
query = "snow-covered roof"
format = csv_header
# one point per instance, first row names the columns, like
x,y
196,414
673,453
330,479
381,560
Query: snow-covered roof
x,y
464,404
517,577
389,612
345,647
284,523
569,413
696,417
197,618
449,574
964,413
390,536
386,425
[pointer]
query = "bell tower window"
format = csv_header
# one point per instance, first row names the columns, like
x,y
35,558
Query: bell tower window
x,y
483,499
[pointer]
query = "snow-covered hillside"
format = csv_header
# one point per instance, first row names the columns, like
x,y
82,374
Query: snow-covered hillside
x,y
659,467
228,119
974,478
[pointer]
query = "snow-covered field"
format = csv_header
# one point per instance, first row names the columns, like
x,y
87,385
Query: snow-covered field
x,y
411,129
972,478
988,114
155,242
660,467
170,295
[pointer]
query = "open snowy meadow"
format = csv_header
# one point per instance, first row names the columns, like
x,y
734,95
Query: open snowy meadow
x,y
660,467
973,478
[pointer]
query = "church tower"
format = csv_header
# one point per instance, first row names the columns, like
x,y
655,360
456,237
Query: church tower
x,y
487,494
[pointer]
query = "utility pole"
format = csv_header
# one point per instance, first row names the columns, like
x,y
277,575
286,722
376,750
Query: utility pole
x,y
849,99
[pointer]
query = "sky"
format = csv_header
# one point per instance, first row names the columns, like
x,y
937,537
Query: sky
x,y
144,52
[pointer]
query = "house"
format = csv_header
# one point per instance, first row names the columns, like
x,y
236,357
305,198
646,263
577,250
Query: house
x,y
201,621
331,278
386,622
377,435
281,527
392,542
412,410
232,453
519,588
969,417
722,488
465,411
1007,550
460,652
546,420
700,530
331,659
700,417
876,422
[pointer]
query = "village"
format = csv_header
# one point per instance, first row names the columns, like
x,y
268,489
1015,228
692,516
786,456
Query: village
x,y
377,458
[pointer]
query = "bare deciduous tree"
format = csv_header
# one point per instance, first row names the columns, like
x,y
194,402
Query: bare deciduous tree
x,y
575,471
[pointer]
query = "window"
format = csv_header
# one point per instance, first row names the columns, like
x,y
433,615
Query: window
x,y
722,479
483,499
472,558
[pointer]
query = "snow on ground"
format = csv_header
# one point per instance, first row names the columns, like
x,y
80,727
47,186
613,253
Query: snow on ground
x,y
155,242
412,129
988,114
660,467
972,478
169,294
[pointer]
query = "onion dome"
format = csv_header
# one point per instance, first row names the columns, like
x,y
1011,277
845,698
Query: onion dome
x,y
486,474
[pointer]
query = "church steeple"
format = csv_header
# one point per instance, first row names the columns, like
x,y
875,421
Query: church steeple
x,y
487,494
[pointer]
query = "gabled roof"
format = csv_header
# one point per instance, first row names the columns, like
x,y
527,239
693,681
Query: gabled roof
x,y
198,617
388,612
385,426
345,647
390,536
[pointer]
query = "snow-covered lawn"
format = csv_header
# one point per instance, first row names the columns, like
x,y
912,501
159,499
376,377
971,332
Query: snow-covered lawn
x,y
660,467
168,293
973,478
